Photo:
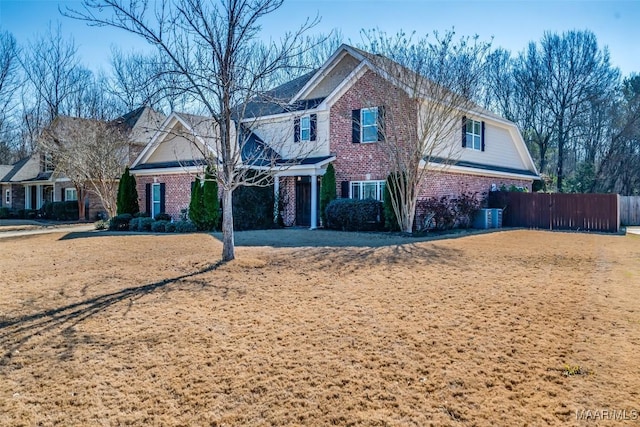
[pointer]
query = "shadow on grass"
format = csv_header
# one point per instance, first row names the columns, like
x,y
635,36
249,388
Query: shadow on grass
x,y
15,332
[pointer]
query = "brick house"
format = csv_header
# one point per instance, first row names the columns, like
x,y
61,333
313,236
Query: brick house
x,y
333,115
33,181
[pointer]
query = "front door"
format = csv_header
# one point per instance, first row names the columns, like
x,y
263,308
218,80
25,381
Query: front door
x,y
303,200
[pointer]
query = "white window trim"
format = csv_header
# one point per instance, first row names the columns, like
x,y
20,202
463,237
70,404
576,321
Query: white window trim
x,y
153,201
379,189
307,128
72,191
7,197
473,134
362,125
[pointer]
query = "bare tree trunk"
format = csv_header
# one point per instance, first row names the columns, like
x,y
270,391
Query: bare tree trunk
x,y
228,244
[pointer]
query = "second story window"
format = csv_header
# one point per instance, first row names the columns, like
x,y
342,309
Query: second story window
x,y
304,128
368,125
472,134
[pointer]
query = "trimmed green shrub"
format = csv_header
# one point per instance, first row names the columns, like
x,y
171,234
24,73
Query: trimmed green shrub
x,y
60,211
145,224
127,201
355,215
4,213
253,208
120,222
327,191
210,203
170,227
196,205
134,224
185,227
159,226
163,217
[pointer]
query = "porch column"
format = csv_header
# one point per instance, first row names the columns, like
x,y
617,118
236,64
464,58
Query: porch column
x,y
276,198
314,202
39,197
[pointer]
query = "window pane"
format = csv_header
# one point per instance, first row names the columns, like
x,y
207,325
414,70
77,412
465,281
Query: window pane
x,y
304,122
304,134
355,190
369,117
156,193
369,190
369,133
476,128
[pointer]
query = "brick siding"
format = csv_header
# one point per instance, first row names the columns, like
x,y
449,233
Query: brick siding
x,y
177,192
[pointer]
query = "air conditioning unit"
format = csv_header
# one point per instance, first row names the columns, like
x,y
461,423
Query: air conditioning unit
x,y
483,219
496,218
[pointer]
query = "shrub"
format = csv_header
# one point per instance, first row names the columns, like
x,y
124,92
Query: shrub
x,y
101,225
120,222
134,224
170,227
145,224
253,208
466,206
60,211
127,201
159,226
355,215
163,217
443,211
196,206
327,191
391,189
210,203
185,227
4,213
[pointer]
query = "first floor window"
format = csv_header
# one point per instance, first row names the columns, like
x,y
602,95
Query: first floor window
x,y
367,190
474,134
155,200
7,197
70,194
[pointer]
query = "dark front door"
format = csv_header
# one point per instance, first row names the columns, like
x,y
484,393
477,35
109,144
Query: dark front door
x,y
303,201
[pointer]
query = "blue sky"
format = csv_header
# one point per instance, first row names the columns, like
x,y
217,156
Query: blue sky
x,y
512,24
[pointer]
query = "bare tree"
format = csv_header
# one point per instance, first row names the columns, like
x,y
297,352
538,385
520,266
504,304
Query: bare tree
x,y
53,69
434,83
91,153
213,50
9,83
572,70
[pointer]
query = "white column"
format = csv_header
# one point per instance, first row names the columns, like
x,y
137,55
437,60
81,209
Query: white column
x,y
38,197
314,202
276,197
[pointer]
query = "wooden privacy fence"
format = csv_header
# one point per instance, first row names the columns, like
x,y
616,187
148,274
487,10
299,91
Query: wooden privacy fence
x,y
588,212
630,210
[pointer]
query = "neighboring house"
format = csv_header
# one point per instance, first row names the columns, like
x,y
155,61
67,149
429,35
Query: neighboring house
x,y
32,181
331,115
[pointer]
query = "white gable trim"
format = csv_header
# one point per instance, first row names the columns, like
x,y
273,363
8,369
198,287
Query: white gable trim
x,y
158,137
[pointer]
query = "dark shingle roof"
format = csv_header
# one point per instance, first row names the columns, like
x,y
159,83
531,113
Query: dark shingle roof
x,y
173,164
482,166
14,170
276,100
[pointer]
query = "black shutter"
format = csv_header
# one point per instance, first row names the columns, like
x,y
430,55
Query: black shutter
x,y
314,122
344,189
62,194
162,192
296,129
464,131
482,137
147,194
381,123
355,126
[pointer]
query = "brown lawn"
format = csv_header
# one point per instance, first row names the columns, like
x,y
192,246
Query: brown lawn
x,y
508,329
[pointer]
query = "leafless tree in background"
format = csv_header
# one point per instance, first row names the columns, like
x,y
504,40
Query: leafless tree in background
x,y
91,153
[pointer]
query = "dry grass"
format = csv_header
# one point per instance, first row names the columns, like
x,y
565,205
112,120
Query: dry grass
x,y
510,328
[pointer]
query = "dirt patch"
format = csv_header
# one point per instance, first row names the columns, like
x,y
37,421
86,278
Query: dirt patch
x,y
509,328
